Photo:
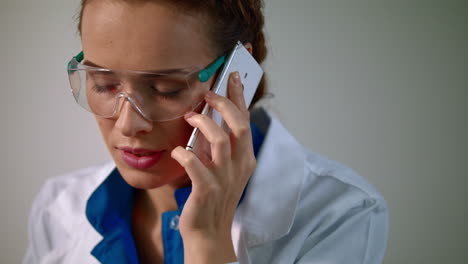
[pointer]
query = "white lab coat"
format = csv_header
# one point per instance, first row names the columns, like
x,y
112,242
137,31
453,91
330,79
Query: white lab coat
x,y
298,208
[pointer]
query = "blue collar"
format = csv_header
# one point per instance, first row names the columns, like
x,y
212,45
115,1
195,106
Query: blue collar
x,y
109,210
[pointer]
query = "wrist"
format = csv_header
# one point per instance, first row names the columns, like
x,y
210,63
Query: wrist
x,y
205,248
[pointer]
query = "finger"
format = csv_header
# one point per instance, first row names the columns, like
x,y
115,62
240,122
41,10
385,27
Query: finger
x,y
195,169
214,134
236,92
236,121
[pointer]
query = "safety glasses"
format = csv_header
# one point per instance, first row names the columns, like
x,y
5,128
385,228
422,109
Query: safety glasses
x,y
157,96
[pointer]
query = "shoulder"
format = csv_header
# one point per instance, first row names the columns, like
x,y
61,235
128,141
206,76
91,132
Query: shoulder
x,y
320,205
60,204
320,176
328,187
335,194
73,188
339,210
335,179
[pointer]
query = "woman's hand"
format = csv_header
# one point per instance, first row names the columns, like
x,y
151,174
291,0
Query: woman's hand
x,y
217,186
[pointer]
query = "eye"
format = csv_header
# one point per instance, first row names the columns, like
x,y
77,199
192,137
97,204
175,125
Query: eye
x,y
105,88
167,88
166,92
103,82
171,94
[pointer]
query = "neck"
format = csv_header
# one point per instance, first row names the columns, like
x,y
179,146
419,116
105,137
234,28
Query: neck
x,y
146,223
154,202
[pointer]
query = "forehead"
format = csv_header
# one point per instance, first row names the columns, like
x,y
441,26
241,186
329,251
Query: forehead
x,y
142,36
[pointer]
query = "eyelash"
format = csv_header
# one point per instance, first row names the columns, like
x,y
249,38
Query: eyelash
x,y
104,88
166,95
110,88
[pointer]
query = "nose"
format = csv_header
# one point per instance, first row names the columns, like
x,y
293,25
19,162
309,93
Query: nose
x,y
130,122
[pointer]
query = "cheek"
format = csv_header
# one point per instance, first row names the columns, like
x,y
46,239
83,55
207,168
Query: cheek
x,y
178,132
105,127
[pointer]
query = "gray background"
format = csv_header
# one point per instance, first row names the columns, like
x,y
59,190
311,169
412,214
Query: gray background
x,y
378,85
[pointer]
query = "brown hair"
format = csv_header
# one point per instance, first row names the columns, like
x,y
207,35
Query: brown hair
x,y
229,21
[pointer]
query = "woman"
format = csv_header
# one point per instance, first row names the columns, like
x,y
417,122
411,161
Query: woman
x,y
262,198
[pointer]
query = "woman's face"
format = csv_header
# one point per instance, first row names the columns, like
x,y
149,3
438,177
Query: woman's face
x,y
143,37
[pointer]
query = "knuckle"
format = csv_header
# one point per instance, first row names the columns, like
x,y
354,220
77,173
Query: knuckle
x,y
201,118
251,164
221,140
246,114
222,104
238,90
242,130
189,160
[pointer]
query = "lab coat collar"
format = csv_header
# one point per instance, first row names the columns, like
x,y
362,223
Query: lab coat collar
x,y
109,210
280,158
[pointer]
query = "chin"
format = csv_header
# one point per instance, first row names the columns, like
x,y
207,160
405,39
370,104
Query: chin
x,y
154,178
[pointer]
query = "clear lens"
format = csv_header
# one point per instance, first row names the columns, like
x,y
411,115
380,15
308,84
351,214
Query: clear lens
x,y
158,97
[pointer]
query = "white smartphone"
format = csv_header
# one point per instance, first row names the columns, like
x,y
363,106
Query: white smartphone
x,y
250,72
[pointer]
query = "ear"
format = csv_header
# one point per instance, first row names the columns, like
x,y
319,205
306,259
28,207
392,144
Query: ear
x,y
249,47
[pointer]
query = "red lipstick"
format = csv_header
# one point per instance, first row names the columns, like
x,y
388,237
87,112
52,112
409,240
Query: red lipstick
x,y
140,158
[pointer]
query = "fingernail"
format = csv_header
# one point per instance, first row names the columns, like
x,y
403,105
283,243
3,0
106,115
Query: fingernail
x,y
189,115
210,94
237,78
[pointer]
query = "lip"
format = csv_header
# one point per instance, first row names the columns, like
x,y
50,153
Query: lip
x,y
132,158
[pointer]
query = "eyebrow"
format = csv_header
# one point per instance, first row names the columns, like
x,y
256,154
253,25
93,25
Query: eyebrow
x,y
149,72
